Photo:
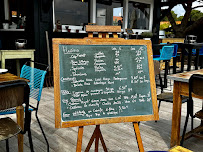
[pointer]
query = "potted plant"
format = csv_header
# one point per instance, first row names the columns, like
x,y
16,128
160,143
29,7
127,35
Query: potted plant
x,y
146,35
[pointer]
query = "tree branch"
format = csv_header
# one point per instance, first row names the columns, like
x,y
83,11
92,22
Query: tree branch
x,y
197,6
166,12
187,14
172,20
184,6
195,25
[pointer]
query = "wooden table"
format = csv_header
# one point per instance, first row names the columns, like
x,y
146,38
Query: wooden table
x,y
181,87
8,77
16,54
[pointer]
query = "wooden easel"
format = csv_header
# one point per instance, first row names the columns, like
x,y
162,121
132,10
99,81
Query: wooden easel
x,y
98,135
103,32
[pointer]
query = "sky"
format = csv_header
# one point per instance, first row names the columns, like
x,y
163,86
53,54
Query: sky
x,y
179,10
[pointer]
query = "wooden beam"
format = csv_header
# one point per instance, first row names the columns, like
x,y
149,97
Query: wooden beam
x,y
102,28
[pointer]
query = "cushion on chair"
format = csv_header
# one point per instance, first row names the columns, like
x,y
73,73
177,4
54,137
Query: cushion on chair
x,y
11,97
8,128
168,97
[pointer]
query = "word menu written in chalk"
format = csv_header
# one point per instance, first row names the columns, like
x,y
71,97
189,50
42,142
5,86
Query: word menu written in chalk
x,y
104,81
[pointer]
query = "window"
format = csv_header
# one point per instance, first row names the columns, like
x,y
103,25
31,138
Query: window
x,y
118,16
72,12
138,15
109,13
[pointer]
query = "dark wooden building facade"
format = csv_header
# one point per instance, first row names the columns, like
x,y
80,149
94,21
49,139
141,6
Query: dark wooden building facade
x,y
42,15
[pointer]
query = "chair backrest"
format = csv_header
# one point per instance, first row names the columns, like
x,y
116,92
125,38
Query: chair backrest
x,y
201,51
167,52
13,94
36,80
196,84
196,87
175,50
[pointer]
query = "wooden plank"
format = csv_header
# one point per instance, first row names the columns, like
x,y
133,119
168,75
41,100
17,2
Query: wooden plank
x,y
138,136
9,77
79,141
90,35
102,28
176,117
118,137
115,35
56,85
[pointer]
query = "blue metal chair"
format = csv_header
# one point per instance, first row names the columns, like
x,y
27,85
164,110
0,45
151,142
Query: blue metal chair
x,y
36,80
175,50
166,53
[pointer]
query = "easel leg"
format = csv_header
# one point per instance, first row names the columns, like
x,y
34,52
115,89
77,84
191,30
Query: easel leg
x,y
102,141
91,141
138,137
96,135
79,141
97,138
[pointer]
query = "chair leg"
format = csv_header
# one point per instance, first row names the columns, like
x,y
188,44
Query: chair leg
x,y
158,107
184,130
7,145
30,140
42,131
27,128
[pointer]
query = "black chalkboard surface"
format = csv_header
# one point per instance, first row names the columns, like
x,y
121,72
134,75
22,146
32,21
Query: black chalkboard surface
x,y
104,81
101,82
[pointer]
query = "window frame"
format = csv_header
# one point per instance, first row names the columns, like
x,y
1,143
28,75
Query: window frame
x,y
125,4
151,3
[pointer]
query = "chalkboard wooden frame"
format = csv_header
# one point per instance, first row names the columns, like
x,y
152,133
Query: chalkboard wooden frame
x,y
101,41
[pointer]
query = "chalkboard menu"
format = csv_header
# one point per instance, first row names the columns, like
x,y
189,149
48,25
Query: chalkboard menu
x,y
98,82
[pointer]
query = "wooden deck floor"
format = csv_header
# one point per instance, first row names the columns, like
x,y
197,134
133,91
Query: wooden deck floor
x,y
118,137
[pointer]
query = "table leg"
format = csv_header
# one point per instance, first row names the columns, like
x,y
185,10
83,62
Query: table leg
x,y
20,121
197,59
166,73
174,65
18,67
32,58
176,115
182,58
201,61
3,66
189,59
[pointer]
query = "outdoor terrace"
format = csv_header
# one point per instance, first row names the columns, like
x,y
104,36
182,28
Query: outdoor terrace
x,y
118,137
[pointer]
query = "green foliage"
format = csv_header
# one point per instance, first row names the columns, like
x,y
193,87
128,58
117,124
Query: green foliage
x,y
146,34
174,15
180,18
164,26
165,18
195,15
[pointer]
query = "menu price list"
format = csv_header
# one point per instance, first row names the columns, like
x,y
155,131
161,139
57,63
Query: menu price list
x,y
104,81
